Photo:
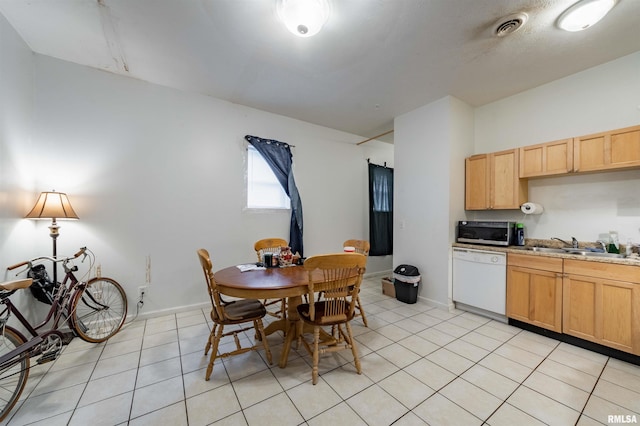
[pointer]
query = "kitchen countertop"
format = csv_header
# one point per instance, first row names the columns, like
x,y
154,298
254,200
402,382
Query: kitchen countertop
x,y
632,261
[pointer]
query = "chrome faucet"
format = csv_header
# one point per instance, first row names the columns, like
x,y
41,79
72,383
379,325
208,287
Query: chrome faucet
x,y
573,243
603,244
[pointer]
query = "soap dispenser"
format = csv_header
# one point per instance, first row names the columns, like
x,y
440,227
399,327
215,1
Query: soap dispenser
x,y
614,244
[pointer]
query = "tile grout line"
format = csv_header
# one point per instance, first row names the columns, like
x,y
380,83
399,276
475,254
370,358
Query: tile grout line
x,y
593,389
133,395
184,390
86,385
437,391
459,376
504,401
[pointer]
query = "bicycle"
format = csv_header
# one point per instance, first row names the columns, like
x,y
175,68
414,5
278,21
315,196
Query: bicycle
x,y
95,309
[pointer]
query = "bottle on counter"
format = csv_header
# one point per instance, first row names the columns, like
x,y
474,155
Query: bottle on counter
x,y
614,244
519,234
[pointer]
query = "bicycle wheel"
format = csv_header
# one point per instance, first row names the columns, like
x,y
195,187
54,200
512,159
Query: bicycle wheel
x,y
99,311
13,375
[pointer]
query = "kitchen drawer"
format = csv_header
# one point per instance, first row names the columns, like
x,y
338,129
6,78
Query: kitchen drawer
x,y
608,271
544,263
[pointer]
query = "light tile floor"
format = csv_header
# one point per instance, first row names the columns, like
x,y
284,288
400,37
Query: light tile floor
x,y
421,365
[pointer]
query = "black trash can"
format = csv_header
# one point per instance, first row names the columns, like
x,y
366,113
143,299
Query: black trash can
x,y
406,279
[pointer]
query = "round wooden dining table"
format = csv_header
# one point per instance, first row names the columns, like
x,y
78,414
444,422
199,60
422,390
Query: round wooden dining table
x,y
269,283
288,283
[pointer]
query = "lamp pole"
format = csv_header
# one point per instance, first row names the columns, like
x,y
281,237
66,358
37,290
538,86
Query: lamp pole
x,y
54,228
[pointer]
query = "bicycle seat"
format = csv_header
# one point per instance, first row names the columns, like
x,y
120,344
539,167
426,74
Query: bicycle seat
x,y
16,284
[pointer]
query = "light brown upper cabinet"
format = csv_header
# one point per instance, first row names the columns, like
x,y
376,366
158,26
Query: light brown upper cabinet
x,y
477,182
547,159
615,149
492,182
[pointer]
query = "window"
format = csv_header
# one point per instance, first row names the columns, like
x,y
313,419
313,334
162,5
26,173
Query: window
x,y
381,187
263,189
380,210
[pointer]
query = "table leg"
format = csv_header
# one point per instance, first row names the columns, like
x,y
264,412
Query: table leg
x,y
291,328
278,325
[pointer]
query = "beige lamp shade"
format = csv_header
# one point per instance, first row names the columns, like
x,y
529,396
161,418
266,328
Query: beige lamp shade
x,y
52,205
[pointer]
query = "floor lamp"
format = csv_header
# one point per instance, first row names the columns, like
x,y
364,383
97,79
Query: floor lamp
x,y
53,205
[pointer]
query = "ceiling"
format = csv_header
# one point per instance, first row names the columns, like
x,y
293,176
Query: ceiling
x,y
373,60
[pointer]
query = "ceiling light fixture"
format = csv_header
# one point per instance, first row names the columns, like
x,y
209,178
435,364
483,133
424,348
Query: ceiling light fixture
x,y
303,18
584,14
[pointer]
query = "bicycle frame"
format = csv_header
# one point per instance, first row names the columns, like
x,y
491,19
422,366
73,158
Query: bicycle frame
x,y
60,300
60,307
94,310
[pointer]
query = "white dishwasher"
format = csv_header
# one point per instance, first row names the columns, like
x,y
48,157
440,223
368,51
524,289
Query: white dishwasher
x,y
480,279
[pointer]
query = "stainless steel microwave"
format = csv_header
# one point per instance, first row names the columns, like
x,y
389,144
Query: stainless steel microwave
x,y
485,232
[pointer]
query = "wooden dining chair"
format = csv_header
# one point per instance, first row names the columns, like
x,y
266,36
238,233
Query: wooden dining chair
x,y
362,247
233,313
339,283
272,245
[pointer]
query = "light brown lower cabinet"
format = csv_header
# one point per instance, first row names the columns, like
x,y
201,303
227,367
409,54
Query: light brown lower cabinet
x,y
594,301
534,290
601,303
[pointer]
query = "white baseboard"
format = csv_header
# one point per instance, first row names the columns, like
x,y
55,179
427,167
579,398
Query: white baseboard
x,y
481,312
387,273
433,303
207,305
169,311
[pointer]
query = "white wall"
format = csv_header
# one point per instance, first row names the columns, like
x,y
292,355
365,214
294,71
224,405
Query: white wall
x,y
16,120
600,98
585,206
153,171
431,143
462,116
17,237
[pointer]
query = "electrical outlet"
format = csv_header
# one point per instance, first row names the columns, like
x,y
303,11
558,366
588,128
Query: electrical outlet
x,y
142,290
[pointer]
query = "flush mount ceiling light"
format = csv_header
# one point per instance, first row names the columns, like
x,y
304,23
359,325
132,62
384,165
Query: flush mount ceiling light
x,y
303,18
584,14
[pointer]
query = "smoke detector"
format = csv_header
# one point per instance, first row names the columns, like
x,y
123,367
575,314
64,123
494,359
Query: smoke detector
x,y
510,24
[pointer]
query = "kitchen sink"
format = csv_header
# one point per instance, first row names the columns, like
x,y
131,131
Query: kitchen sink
x,y
597,254
577,251
546,249
572,250
590,253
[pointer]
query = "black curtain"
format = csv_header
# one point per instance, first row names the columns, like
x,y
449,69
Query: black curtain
x,y
380,210
278,155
